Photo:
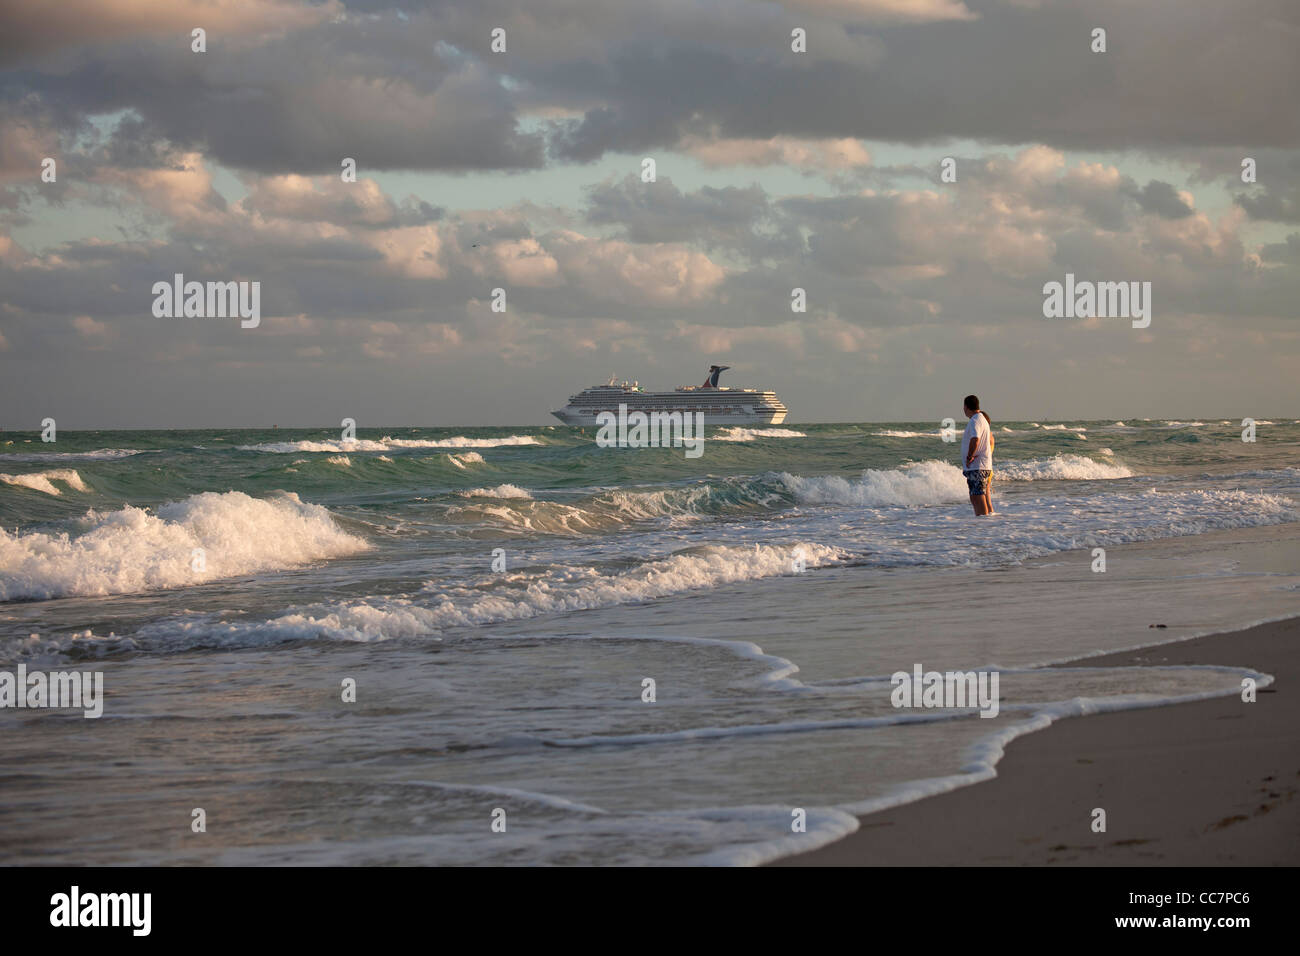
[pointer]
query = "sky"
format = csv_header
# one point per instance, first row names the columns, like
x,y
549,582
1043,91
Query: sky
x,y
523,170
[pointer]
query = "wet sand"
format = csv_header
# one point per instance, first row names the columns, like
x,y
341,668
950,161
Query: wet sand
x,y
1206,783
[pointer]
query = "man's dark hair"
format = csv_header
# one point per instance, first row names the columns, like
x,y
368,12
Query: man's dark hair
x,y
971,402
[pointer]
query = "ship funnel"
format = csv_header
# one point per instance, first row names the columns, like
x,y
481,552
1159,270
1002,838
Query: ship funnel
x,y
714,372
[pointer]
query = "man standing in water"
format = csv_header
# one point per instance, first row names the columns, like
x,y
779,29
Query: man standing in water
x,y
977,456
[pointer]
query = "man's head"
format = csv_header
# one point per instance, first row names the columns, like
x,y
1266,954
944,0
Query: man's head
x,y
970,405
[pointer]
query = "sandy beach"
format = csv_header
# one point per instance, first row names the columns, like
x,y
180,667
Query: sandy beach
x,y
1207,783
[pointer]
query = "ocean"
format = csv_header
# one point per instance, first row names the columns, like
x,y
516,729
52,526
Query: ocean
x,y
568,654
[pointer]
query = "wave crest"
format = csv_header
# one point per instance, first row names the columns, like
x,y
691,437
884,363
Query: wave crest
x,y
561,590
923,483
43,480
1060,468
388,443
735,433
129,551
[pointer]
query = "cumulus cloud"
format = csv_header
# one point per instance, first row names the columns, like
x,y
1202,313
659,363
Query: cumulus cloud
x,y
1162,199
291,88
900,11
660,212
825,155
225,165
1278,203
35,26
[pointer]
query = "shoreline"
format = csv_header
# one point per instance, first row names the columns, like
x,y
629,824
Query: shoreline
x,y
1201,783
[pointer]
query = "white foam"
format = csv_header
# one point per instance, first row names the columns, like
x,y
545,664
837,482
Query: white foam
x,y
387,444
132,550
469,458
461,442
749,434
43,480
343,460
100,454
924,483
892,433
500,491
563,590
1060,468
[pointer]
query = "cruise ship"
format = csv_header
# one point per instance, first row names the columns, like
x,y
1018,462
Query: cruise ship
x,y
721,405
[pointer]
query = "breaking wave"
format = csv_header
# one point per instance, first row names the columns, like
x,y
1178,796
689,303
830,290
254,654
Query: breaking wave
x,y
562,590
500,491
1060,468
467,459
749,434
924,483
133,550
43,481
100,454
387,444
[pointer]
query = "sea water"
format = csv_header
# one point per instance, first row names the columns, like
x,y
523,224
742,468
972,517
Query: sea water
x,y
500,600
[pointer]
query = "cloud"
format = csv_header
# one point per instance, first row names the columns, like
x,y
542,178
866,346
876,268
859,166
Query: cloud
x,y
225,165
95,335
660,274
296,101
1162,199
660,212
183,193
825,155
291,89
897,11
321,200
34,26
1273,203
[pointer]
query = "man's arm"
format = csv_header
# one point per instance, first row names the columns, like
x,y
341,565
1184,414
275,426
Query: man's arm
x,y
973,446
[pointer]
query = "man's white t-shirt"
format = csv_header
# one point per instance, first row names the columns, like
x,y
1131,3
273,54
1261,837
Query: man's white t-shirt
x,y
978,429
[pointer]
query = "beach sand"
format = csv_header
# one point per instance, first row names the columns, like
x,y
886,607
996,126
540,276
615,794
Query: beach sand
x,y
1206,783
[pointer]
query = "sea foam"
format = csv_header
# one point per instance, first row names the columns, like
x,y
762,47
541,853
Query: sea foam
x,y
1060,468
924,483
750,434
387,444
563,590
43,480
99,454
500,491
133,550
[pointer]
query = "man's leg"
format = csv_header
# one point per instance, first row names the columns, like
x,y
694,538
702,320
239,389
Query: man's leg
x,y
988,497
979,492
